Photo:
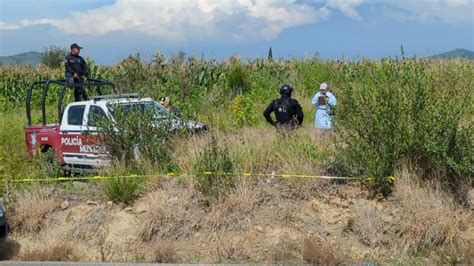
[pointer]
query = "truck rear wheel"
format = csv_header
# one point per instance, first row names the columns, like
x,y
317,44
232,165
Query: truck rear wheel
x,y
50,163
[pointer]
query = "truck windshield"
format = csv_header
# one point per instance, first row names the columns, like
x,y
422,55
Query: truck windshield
x,y
159,111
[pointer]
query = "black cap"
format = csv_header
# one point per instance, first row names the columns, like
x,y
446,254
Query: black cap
x,y
75,45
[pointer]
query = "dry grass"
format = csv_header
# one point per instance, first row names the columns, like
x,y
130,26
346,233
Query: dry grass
x,y
427,218
57,251
369,224
418,221
288,213
262,220
234,211
171,213
176,211
229,250
298,188
89,225
31,210
320,251
262,150
286,250
463,255
165,253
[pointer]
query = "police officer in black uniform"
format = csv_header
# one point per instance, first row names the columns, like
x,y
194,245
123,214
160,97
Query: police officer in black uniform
x,y
288,111
76,72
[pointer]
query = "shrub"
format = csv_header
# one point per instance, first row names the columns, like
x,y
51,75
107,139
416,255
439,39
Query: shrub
x,y
136,136
212,171
30,210
238,77
285,250
165,253
404,110
242,108
321,252
49,163
53,56
61,251
123,189
129,74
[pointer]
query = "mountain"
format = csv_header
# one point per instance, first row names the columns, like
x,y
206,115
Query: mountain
x,y
32,59
458,53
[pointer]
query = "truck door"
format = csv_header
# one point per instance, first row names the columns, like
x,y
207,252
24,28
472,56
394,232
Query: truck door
x,y
73,136
95,116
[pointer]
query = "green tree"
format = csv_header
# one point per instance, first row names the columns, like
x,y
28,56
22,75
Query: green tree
x,y
53,56
270,54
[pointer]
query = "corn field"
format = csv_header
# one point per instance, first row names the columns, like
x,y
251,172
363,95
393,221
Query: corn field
x,y
389,112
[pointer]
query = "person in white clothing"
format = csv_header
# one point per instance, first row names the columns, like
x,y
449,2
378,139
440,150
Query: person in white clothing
x,y
324,101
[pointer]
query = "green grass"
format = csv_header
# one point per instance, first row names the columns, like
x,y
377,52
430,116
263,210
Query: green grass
x,y
14,159
13,155
389,112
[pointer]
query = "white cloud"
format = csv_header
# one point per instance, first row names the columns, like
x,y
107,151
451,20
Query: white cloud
x,y
445,11
236,20
348,7
6,26
184,20
458,2
25,23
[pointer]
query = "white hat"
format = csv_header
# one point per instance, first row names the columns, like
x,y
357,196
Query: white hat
x,y
323,86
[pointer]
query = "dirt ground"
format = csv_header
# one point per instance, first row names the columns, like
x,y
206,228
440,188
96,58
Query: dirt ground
x,y
266,220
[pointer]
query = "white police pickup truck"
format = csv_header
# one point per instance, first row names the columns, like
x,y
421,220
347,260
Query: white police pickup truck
x,y
72,140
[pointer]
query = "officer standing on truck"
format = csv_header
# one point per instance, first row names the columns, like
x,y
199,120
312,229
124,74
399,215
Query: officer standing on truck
x,y
76,72
288,111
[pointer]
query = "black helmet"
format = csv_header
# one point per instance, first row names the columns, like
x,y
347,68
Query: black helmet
x,y
286,89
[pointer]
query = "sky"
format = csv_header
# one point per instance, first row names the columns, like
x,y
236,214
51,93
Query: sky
x,y
110,30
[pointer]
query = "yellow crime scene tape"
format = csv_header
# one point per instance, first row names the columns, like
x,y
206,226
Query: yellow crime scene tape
x,y
171,174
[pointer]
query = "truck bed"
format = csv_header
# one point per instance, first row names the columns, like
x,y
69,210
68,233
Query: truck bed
x,y
39,136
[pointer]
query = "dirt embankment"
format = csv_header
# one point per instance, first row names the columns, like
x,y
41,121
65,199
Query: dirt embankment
x,y
265,220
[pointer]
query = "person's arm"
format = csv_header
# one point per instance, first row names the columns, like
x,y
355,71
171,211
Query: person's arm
x,y
331,100
314,101
267,113
69,68
299,114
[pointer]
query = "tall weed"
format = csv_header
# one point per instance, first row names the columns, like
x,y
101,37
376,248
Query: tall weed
x,y
212,171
